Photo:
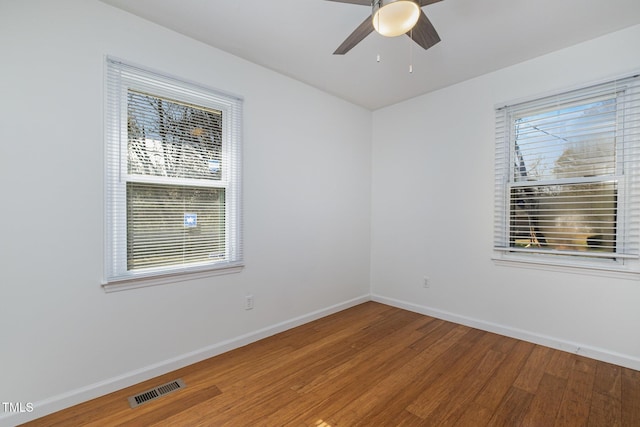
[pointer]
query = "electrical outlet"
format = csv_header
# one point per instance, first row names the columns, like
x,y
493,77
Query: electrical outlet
x,y
248,302
426,282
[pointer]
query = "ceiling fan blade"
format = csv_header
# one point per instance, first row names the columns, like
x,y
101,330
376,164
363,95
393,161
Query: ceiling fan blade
x,y
424,33
422,2
362,2
356,37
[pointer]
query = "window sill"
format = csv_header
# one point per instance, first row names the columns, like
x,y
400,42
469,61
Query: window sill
x,y
164,279
612,269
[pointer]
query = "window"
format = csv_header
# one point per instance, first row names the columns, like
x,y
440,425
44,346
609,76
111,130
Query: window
x,y
172,178
567,171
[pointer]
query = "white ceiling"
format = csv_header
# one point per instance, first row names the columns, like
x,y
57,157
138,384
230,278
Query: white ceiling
x,y
297,38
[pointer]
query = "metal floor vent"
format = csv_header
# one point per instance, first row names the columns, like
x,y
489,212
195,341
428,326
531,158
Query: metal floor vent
x,y
154,393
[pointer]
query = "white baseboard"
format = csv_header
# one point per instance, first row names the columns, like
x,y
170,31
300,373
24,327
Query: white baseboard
x,y
91,391
545,340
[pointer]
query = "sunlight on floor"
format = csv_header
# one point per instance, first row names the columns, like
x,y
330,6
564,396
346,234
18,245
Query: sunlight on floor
x,y
321,423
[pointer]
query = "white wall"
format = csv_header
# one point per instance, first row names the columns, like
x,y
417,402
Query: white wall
x,y
306,183
432,213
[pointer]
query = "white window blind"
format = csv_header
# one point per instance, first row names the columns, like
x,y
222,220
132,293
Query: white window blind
x,y
172,177
567,176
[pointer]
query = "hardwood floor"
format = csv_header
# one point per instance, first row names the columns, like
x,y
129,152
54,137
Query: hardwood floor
x,y
375,365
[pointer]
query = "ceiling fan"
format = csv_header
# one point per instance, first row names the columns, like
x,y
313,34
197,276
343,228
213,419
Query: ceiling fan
x,y
393,18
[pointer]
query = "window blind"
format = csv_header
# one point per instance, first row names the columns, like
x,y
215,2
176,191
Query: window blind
x,y
173,169
567,174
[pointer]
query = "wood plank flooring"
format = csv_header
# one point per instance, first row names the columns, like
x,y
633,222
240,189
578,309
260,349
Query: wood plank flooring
x,y
375,365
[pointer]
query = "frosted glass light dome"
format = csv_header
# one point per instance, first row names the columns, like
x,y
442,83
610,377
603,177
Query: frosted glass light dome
x,y
393,18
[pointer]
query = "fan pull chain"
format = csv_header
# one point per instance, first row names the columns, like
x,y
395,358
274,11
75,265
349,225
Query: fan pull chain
x,y
411,52
378,57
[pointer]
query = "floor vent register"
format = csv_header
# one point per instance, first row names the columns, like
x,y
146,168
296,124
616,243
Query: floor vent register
x,y
154,393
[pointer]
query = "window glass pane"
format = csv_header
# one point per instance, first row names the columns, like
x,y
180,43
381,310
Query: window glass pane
x,y
571,142
575,217
174,225
172,139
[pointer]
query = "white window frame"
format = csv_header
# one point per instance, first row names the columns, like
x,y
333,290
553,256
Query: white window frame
x,y
625,262
120,78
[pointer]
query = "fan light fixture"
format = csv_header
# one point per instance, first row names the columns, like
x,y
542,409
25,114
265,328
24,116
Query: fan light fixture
x,y
393,18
